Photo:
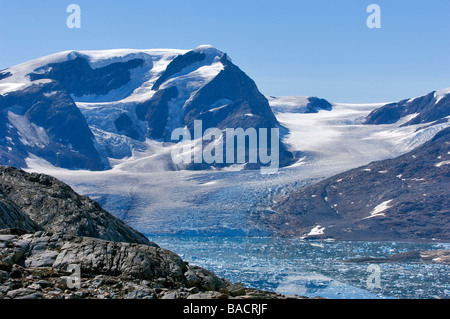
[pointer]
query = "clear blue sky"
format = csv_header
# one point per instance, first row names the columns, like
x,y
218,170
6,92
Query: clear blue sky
x,y
289,47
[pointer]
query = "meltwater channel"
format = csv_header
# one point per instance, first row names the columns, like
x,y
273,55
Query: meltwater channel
x,y
314,268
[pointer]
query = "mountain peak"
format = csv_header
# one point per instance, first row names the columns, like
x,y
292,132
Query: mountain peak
x,y
204,47
122,98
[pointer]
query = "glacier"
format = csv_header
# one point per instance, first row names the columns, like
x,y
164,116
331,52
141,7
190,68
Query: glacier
x,y
154,198
144,188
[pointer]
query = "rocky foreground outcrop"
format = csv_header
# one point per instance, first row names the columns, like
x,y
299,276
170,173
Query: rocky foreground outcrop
x,y
42,202
35,266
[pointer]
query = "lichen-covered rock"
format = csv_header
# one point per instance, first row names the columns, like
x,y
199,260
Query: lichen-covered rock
x,y
236,289
34,201
12,217
24,293
141,294
205,279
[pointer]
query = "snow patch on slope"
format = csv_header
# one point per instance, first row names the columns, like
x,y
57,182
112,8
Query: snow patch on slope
x,y
29,133
440,94
379,209
442,163
316,231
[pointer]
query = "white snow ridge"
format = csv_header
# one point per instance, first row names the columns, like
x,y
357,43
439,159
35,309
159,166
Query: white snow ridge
x,y
316,231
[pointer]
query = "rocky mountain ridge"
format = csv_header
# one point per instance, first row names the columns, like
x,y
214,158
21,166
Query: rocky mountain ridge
x,y
405,198
429,108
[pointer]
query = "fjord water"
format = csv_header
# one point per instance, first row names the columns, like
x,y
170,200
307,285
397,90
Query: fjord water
x,y
314,268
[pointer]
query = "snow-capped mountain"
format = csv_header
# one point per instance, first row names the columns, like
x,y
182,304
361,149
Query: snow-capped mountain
x,y
86,109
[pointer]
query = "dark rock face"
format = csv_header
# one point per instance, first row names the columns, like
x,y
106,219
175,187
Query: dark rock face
x,y
16,156
65,141
234,85
4,75
78,78
315,104
232,100
427,107
12,217
125,125
55,207
405,198
156,112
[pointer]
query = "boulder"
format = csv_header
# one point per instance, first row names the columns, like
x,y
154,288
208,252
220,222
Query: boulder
x,y
237,289
24,293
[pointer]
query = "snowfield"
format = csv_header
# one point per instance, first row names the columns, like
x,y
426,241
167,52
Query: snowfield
x,y
160,58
